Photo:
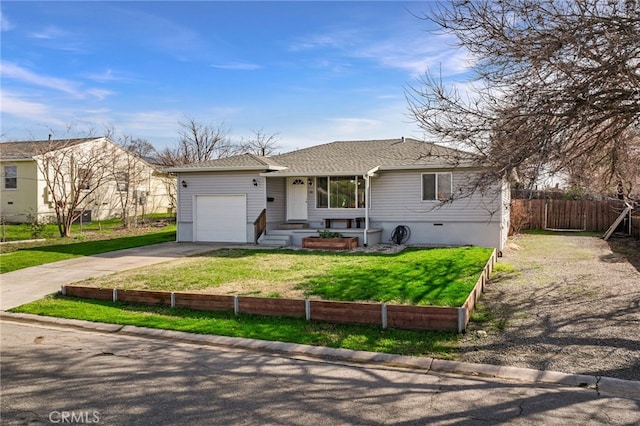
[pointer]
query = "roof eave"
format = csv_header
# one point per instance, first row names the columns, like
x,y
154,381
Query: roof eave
x,y
5,159
221,169
430,167
306,174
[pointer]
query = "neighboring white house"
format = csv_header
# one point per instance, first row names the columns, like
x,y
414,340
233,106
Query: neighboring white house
x,y
124,182
359,188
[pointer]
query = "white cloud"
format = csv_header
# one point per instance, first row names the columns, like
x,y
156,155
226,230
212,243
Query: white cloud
x,y
34,111
338,39
56,38
107,76
417,55
5,25
354,126
10,70
239,66
50,33
99,94
405,50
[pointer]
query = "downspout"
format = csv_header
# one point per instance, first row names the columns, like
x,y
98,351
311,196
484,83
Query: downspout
x,y
367,191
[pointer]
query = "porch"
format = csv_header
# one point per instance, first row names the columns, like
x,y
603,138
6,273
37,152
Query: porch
x,y
293,237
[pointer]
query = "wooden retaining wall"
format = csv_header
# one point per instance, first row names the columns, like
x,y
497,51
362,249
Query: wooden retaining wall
x,y
394,316
204,302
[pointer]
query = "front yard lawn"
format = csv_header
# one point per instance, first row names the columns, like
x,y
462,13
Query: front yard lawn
x,y
438,277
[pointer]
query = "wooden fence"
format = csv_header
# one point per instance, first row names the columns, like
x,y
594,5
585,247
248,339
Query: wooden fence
x,y
583,215
394,316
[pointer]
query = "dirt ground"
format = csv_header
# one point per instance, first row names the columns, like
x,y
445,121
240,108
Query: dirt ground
x,y
564,303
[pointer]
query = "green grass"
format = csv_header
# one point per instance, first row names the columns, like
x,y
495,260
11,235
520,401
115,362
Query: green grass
x,y
441,277
356,337
22,231
69,248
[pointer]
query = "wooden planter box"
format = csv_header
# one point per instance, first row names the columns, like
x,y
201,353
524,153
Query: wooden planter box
x,y
318,243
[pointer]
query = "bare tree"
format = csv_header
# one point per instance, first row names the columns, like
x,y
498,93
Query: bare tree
x,y
140,147
556,85
73,171
128,172
618,174
261,143
198,143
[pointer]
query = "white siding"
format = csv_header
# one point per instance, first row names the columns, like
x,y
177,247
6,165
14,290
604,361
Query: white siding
x,y
397,200
397,196
219,183
276,209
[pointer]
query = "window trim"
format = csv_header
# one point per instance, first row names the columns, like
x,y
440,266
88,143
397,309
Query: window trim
x,y
5,177
122,182
84,181
436,174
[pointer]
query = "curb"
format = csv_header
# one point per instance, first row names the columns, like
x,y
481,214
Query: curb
x,y
602,385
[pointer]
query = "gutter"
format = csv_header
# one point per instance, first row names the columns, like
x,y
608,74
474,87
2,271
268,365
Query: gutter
x,y
220,169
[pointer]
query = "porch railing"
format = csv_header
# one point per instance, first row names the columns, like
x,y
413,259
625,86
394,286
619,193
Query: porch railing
x,y
260,225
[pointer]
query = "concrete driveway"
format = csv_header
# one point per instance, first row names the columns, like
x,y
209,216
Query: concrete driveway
x,y
29,284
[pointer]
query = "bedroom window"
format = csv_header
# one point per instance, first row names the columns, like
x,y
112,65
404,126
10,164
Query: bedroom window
x,y
436,186
10,175
340,192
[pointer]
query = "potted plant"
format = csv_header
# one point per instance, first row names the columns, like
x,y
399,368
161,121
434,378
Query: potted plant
x,y
328,240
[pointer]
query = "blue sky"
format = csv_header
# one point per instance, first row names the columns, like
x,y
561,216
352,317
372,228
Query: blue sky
x,y
313,71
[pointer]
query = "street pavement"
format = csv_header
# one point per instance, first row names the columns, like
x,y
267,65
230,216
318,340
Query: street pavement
x,y
50,373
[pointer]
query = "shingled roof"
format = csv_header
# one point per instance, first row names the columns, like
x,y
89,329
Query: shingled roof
x,y
236,162
29,149
358,157
342,157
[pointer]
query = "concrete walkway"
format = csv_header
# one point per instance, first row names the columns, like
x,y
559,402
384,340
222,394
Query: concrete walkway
x,y
29,284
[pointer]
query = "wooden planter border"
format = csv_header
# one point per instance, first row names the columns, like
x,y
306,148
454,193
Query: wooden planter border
x,y
319,243
394,316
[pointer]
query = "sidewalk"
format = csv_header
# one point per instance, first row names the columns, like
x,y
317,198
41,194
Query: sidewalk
x,y
30,284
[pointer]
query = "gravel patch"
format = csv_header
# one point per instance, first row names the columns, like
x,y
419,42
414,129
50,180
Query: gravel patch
x,y
563,303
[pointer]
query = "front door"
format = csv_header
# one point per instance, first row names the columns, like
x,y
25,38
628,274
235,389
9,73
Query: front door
x,y
297,198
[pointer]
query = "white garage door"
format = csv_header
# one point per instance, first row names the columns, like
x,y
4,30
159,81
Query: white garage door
x,y
221,218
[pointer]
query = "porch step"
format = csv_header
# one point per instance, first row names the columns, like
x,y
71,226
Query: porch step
x,y
293,225
275,240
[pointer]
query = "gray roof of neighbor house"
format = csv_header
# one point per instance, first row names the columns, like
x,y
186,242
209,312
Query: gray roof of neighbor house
x,y
344,157
28,149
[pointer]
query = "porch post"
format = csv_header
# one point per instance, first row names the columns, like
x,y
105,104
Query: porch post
x,y
367,191
366,210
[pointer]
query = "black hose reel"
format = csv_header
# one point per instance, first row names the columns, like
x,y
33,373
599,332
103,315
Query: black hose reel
x,y
400,234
